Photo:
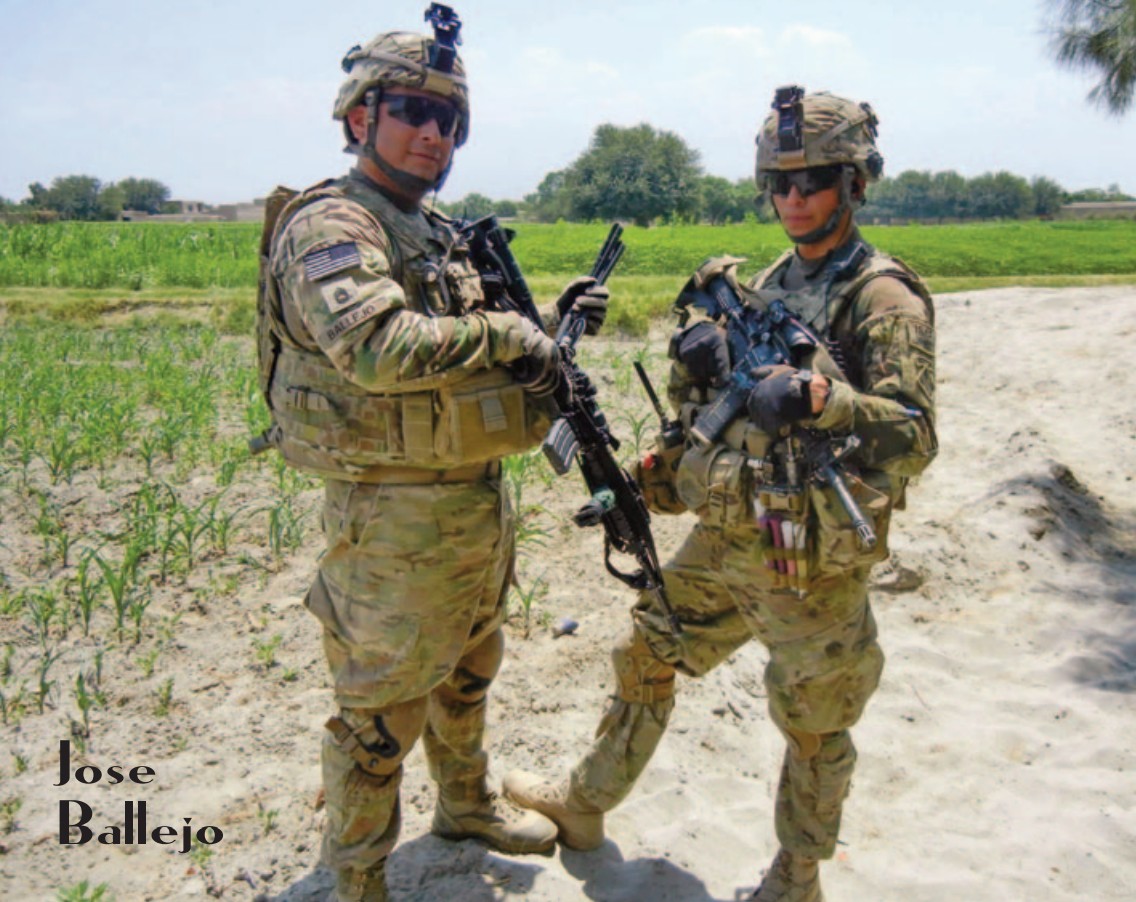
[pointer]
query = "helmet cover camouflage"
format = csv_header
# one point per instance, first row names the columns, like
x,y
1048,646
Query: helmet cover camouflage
x,y
401,59
833,130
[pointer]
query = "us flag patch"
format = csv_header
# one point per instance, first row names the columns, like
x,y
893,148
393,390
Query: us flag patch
x,y
330,260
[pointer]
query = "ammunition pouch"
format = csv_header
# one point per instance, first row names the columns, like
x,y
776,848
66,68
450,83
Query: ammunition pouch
x,y
717,484
331,427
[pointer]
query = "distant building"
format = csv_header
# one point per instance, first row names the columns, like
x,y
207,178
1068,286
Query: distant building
x,y
1099,209
197,211
242,212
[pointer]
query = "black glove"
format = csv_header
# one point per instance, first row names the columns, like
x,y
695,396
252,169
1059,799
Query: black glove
x,y
702,350
587,296
781,397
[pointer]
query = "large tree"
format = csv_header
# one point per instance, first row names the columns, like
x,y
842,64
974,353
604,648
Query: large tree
x,y
726,201
71,196
636,173
144,195
549,202
1048,196
1099,36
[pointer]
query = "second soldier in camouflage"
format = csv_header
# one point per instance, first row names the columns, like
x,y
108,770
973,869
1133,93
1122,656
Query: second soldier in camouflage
x,y
775,555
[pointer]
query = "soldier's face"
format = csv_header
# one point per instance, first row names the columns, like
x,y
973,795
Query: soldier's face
x,y
801,215
420,150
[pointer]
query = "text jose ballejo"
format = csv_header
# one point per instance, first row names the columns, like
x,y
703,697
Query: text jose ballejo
x,y
134,832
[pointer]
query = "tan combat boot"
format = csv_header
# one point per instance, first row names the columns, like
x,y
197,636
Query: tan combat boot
x,y
581,826
473,812
361,886
790,879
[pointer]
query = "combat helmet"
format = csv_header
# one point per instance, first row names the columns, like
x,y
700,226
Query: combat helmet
x,y
409,60
820,129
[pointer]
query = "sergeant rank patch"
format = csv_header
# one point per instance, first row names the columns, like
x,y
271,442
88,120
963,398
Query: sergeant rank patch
x,y
340,294
329,260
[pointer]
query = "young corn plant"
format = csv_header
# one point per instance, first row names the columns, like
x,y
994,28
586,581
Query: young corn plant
x,y
84,892
52,531
147,662
87,591
640,425
45,686
165,698
528,597
266,651
119,582
84,703
9,808
187,526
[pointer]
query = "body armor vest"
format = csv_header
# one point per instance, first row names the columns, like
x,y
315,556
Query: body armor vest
x,y
328,426
825,304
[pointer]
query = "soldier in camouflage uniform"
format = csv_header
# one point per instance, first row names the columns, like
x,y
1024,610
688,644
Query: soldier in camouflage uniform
x,y
386,375
740,573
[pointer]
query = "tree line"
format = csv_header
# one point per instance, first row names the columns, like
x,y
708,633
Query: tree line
x,y
642,175
84,197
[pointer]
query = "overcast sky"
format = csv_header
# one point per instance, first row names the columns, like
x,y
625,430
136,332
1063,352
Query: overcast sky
x,y
223,99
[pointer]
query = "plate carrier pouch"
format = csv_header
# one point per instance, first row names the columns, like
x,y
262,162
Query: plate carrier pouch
x,y
809,535
325,425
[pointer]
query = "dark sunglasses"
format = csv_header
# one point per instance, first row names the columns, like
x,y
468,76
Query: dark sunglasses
x,y
417,111
808,181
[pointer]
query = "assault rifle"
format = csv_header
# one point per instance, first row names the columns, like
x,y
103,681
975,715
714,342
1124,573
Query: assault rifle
x,y
768,338
581,432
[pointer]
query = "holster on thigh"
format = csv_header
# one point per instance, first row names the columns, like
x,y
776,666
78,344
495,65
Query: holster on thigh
x,y
378,738
640,676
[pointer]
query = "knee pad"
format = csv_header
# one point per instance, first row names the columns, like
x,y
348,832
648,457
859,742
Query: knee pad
x,y
640,676
378,738
469,683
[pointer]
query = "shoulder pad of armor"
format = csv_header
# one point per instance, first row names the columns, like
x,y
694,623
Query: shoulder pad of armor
x,y
880,264
766,275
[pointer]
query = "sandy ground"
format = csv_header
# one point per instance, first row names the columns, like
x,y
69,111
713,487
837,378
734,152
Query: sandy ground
x,y
997,760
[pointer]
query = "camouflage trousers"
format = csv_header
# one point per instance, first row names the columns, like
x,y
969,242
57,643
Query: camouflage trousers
x,y
411,596
824,665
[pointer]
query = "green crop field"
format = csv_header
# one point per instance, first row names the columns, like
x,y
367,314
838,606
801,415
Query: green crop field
x,y
203,255
83,271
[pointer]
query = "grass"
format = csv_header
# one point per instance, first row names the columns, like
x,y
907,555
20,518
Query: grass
x,y
84,274
136,259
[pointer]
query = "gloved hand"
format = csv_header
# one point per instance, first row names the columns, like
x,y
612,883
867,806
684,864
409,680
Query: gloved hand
x,y
702,350
538,369
587,296
781,397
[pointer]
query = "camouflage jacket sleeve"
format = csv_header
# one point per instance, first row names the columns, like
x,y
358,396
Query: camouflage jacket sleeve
x,y
893,410
332,263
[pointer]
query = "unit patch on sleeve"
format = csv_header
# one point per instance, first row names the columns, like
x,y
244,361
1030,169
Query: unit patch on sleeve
x,y
327,261
340,294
